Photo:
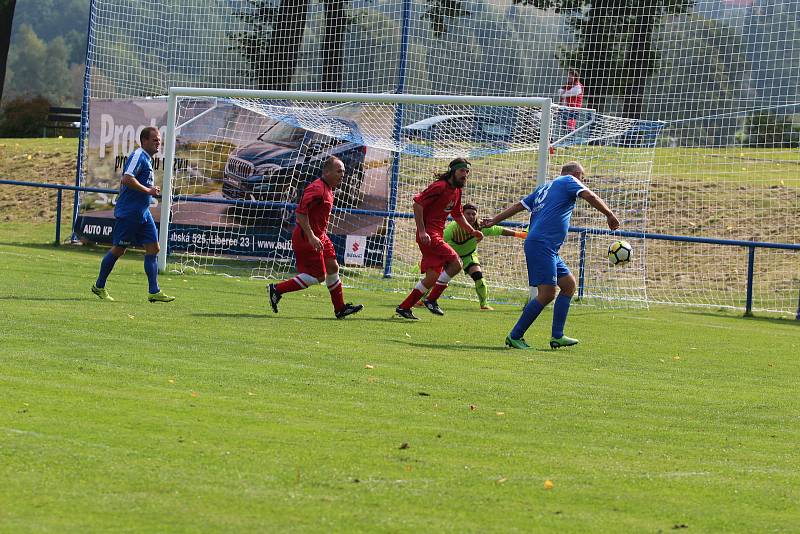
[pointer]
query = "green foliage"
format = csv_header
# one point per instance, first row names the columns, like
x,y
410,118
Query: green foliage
x,y
53,18
47,43
708,72
441,12
614,47
766,129
24,117
40,68
271,41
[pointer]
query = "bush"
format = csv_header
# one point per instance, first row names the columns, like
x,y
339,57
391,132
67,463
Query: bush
x,y
766,129
24,117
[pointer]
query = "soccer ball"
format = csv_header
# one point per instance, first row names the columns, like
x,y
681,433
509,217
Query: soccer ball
x,y
619,252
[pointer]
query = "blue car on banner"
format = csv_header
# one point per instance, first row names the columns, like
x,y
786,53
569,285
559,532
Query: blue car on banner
x,y
277,166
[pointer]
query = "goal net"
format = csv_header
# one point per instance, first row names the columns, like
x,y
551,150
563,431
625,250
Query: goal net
x,y
722,76
245,161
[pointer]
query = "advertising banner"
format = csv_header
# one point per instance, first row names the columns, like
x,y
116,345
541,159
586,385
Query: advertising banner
x,y
354,249
218,147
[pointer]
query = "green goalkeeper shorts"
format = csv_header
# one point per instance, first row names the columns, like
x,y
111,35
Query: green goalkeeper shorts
x,y
470,260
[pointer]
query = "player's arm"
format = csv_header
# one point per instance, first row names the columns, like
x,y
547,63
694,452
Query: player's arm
x,y
597,203
419,218
503,215
466,226
521,234
494,231
302,221
131,182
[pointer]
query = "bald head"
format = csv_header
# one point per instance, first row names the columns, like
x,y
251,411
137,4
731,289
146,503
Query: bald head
x,y
331,163
333,171
572,168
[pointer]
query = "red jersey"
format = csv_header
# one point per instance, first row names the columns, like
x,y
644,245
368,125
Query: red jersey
x,y
573,96
438,201
317,203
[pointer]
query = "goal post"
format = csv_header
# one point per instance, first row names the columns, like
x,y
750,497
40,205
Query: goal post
x,y
175,123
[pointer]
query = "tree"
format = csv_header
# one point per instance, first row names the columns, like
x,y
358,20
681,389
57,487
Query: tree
x,y
439,12
6,20
336,23
271,45
40,68
614,47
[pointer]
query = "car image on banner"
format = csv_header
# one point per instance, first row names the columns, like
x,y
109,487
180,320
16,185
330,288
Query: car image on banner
x,y
278,165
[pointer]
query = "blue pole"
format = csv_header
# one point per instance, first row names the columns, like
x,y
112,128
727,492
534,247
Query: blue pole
x,y
58,217
398,138
84,114
582,265
751,260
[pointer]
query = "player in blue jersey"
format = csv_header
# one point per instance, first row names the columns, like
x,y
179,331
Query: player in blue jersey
x,y
551,206
134,225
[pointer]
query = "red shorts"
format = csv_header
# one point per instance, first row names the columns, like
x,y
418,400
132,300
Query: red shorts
x,y
436,255
308,260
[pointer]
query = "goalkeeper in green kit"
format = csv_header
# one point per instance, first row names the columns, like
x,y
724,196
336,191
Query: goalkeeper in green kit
x,y
466,246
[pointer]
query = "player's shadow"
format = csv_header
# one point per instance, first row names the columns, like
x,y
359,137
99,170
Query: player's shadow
x,y
68,247
15,297
729,316
357,318
458,347
232,315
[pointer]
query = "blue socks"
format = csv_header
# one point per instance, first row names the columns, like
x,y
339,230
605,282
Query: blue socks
x,y
106,265
529,314
560,311
151,268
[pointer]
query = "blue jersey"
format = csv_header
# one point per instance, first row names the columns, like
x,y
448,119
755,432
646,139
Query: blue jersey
x,y
551,206
132,203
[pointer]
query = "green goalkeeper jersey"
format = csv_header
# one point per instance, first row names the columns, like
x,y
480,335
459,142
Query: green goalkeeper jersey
x,y
463,243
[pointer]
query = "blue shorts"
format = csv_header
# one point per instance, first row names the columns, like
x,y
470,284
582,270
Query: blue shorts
x,y
134,231
545,266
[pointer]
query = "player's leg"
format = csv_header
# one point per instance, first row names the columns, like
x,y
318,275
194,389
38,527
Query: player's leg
x,y
473,269
422,287
151,269
419,303
124,235
452,266
541,264
147,235
566,285
334,283
106,266
431,265
310,266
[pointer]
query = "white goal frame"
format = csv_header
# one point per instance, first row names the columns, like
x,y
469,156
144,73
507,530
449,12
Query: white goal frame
x,y
308,96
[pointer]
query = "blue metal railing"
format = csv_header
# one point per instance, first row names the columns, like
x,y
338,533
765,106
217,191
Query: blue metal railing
x,y
583,232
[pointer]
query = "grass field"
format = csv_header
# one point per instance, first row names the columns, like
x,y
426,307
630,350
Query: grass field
x,y
213,414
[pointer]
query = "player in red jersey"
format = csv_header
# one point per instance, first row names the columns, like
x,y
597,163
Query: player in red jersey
x,y
439,261
313,249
